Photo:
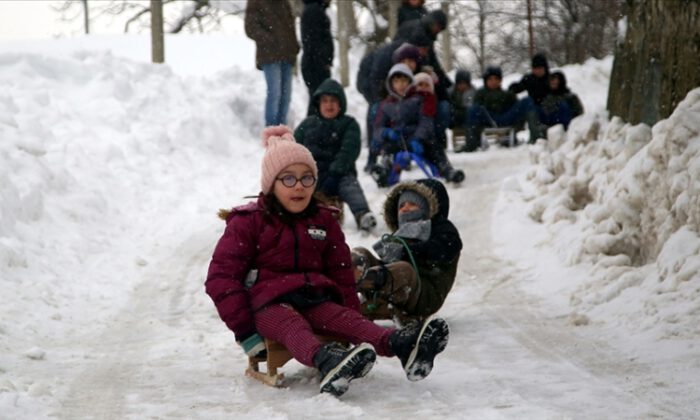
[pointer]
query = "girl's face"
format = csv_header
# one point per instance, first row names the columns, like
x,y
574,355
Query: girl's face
x,y
400,84
423,86
294,198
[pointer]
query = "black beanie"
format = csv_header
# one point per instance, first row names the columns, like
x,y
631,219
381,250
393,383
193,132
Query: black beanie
x,y
539,60
492,71
439,17
463,76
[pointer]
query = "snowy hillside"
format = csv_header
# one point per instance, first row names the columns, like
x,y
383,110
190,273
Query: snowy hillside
x,y
111,173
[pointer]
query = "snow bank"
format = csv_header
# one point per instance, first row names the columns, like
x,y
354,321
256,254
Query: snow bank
x,y
625,201
89,143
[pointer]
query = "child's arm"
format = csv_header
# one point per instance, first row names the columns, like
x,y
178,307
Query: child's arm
x,y
230,263
344,161
444,244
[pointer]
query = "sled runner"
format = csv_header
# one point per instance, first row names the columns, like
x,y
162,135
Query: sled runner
x,y
503,136
277,356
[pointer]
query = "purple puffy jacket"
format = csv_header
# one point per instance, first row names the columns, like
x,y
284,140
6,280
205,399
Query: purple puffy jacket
x,y
312,252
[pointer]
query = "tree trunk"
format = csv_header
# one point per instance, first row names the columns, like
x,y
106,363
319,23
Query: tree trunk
x,y
393,17
157,41
346,18
86,17
446,40
657,64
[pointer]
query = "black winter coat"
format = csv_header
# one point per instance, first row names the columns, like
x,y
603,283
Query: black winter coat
x,y
537,87
317,43
436,258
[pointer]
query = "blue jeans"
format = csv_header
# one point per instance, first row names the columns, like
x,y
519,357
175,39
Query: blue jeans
x,y
278,76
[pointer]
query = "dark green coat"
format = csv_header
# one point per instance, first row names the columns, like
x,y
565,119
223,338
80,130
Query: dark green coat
x,y
496,100
436,258
334,144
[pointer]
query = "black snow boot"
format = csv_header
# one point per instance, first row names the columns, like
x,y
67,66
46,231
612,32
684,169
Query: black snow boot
x,y
339,365
417,344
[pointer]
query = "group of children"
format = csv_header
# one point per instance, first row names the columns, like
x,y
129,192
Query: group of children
x,y
549,102
283,271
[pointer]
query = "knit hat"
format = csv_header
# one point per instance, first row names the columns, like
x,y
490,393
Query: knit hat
x,y
463,76
417,199
439,17
281,151
406,51
539,60
492,71
424,77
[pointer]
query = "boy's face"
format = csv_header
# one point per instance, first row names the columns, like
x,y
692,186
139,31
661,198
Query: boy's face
x,y
462,86
329,106
411,63
400,83
297,197
554,83
408,206
538,71
493,82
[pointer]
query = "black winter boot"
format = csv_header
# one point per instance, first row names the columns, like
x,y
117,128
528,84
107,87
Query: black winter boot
x,y
416,345
339,365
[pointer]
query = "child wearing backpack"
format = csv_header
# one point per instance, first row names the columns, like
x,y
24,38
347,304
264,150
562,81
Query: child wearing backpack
x,y
303,282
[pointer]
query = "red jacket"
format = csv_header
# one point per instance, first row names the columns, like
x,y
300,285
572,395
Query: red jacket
x,y
311,252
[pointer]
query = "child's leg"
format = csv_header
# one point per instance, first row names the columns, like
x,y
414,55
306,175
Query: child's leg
x,y
333,319
282,323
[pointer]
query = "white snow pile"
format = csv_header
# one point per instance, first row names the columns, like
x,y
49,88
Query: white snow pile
x,y
624,201
101,160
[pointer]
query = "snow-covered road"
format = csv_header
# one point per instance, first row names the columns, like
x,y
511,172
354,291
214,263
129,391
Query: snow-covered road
x,y
166,354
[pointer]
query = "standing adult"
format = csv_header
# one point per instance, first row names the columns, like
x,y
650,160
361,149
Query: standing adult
x,y
428,27
410,10
317,47
270,23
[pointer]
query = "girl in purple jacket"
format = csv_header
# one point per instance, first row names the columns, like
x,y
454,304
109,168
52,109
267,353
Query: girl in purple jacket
x,y
282,271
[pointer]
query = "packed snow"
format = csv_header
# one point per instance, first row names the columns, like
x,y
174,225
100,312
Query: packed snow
x,y
577,293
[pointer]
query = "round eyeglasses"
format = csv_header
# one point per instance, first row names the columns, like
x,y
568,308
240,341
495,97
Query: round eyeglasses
x,y
290,181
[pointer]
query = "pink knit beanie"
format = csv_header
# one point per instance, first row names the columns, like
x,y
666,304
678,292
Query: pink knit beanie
x,y
424,77
281,151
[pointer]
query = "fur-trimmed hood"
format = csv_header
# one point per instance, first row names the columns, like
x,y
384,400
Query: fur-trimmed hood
x,y
431,189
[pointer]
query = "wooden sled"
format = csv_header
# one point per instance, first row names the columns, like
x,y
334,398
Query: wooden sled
x,y
277,356
502,136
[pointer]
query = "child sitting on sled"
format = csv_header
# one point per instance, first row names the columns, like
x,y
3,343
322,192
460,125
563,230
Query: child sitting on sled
x,y
417,263
405,123
304,280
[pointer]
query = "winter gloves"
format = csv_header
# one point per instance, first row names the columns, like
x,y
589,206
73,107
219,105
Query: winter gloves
x,y
392,135
416,146
253,345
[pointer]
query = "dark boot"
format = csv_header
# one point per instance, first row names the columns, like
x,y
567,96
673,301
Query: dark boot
x,y
339,365
472,139
416,345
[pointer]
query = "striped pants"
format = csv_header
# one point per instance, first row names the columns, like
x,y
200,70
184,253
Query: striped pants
x,y
295,328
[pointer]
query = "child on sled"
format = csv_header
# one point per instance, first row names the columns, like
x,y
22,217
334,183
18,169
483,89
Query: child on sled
x,y
304,282
405,123
417,262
